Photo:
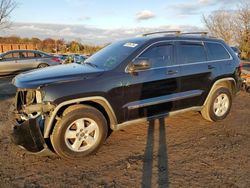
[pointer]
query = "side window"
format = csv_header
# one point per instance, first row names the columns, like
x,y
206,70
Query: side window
x,y
22,55
30,55
216,51
159,56
44,55
11,56
38,55
192,52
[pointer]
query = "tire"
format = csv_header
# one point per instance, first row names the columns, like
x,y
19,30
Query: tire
x,y
70,137
248,89
43,65
218,105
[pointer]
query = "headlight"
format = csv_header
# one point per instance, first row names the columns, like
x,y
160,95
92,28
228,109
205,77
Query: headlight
x,y
39,96
26,97
30,97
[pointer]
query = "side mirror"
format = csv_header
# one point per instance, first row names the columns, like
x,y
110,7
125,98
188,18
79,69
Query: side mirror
x,y
139,64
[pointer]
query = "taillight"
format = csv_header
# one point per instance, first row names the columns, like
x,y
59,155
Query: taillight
x,y
56,59
241,66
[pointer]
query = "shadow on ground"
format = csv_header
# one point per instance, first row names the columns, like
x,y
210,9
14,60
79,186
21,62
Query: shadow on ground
x,y
162,156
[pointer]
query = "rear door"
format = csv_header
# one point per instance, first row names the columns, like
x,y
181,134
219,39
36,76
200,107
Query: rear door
x,y
153,91
197,72
43,58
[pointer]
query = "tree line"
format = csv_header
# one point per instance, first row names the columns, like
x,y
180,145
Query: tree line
x,y
52,45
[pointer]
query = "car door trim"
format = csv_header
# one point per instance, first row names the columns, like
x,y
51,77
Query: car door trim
x,y
146,119
162,99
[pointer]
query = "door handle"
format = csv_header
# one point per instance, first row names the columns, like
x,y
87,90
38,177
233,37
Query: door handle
x,y
211,67
172,72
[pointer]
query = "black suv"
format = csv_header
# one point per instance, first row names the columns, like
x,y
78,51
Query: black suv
x,y
73,107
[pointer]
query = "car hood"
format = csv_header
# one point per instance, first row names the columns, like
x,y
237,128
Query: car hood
x,y
55,74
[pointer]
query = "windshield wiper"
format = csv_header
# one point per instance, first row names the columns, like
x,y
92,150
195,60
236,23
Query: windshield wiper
x,y
91,64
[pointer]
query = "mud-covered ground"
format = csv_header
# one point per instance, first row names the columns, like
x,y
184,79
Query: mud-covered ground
x,y
180,151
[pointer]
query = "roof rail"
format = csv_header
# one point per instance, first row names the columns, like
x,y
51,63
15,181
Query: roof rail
x,y
179,33
162,32
202,33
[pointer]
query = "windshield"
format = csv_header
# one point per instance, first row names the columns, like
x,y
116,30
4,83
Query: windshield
x,y
112,55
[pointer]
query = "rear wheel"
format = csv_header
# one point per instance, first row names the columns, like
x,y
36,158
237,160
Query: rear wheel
x,y
43,65
218,106
79,133
248,89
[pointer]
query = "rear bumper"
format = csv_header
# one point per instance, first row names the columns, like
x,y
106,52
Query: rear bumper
x,y
28,135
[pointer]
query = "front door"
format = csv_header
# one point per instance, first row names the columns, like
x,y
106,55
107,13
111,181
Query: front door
x,y
153,91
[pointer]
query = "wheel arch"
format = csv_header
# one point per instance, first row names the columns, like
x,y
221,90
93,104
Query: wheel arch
x,y
224,82
100,103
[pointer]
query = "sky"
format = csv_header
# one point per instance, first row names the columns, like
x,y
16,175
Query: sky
x,y
102,21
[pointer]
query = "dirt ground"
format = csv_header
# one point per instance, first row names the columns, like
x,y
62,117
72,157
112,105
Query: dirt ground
x,y
180,151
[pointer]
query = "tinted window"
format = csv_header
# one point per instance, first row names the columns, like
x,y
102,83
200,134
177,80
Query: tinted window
x,y
159,56
191,52
216,51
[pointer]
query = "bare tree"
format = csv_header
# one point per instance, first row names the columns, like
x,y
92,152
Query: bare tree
x,y
221,24
6,8
243,29
232,26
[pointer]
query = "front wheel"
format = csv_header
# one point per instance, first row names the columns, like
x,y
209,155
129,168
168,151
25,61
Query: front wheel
x,y
218,106
79,133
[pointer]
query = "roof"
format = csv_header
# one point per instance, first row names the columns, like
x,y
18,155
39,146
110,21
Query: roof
x,y
23,50
176,35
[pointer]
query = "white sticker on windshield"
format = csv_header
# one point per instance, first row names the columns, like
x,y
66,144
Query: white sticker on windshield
x,y
130,44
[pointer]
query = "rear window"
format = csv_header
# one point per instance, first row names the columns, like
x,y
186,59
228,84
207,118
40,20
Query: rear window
x,y
216,51
192,52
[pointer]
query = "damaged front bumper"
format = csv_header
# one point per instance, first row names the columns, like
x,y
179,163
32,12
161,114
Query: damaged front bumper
x,y
28,135
30,112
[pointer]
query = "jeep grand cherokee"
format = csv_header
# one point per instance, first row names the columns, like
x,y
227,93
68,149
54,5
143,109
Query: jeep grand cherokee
x,y
73,107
